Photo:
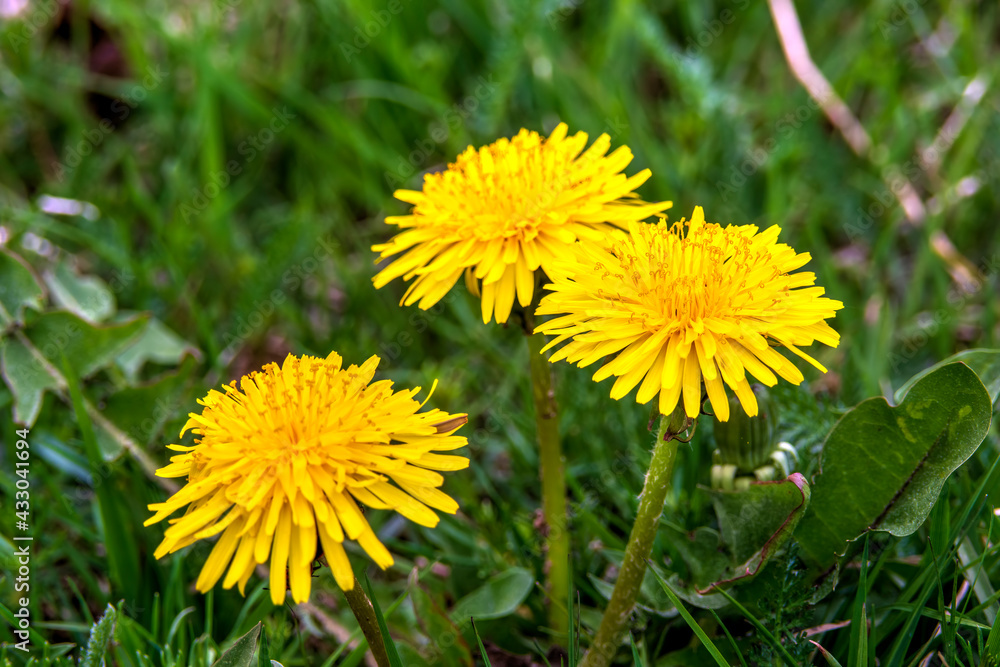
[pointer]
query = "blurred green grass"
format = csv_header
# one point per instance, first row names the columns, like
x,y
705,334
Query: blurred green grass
x,y
325,108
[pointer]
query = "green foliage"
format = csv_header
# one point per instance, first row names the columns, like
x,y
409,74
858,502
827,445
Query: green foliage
x,y
390,645
755,523
241,653
100,638
163,284
883,467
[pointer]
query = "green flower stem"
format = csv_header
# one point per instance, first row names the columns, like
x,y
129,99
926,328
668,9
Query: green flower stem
x,y
365,613
614,623
553,484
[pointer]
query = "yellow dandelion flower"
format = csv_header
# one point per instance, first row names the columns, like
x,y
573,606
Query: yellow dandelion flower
x,y
500,212
684,309
286,456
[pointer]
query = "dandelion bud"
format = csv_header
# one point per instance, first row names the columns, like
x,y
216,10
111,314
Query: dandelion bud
x,y
744,441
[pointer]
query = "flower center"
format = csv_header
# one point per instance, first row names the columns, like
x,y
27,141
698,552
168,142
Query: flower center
x,y
669,279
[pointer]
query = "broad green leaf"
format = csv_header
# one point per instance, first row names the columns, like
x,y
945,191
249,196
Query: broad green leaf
x,y
986,364
85,296
753,519
240,654
704,554
687,592
436,625
158,344
28,376
30,363
18,288
499,597
141,412
88,348
756,522
882,467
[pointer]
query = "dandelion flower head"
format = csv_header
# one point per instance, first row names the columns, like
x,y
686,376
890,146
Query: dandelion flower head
x,y
501,212
684,306
282,460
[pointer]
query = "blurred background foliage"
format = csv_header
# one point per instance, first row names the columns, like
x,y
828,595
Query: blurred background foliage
x,y
194,189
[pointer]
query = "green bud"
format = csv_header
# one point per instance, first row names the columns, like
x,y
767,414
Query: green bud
x,y
744,441
677,422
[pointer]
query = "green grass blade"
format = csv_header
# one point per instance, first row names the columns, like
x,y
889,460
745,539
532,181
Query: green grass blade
x,y
693,624
771,639
732,642
264,652
122,555
482,649
637,661
390,646
858,652
830,660
991,656
574,630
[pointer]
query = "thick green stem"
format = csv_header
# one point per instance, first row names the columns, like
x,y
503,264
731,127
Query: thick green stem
x,y
614,623
365,613
553,484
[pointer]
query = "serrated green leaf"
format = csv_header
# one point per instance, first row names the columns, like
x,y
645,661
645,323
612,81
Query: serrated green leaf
x,y
158,344
883,467
88,347
141,412
28,377
757,521
240,654
435,623
498,597
19,288
703,551
85,296
30,362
